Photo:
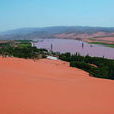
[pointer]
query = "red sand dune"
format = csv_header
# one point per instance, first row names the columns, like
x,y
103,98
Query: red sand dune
x,y
51,87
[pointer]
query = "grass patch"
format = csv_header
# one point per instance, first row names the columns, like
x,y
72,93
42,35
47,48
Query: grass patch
x,y
23,45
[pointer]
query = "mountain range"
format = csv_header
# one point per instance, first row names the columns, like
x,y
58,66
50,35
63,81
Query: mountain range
x,y
65,32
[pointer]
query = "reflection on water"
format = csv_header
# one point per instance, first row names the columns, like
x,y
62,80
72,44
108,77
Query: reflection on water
x,y
73,46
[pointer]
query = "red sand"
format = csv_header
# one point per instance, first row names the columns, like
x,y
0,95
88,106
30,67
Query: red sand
x,y
51,87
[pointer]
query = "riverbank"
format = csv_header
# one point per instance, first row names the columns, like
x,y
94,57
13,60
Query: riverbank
x,y
51,87
76,46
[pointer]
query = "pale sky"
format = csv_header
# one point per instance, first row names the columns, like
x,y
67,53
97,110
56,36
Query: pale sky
x,y
42,13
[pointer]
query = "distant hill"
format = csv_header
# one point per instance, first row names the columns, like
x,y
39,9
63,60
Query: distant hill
x,y
73,32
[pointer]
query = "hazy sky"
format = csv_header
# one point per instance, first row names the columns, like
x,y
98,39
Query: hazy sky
x,y
40,13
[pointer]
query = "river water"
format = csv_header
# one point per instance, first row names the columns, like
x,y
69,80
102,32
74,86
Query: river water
x,y
73,46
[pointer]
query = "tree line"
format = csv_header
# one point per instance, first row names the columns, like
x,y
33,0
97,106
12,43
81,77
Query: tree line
x,y
96,66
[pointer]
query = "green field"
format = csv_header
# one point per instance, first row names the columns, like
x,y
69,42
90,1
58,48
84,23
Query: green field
x,y
24,45
16,43
105,44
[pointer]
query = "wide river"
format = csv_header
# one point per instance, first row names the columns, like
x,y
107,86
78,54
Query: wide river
x,y
73,46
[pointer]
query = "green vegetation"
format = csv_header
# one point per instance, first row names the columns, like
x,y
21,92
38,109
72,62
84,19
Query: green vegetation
x,y
105,44
16,43
104,69
23,52
24,45
4,45
21,49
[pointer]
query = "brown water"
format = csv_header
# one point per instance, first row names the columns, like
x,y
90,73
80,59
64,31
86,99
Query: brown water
x,y
73,46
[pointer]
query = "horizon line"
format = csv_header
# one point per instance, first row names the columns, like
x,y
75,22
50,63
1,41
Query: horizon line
x,y
55,26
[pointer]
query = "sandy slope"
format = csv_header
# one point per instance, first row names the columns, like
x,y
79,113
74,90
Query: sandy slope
x,y
51,87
